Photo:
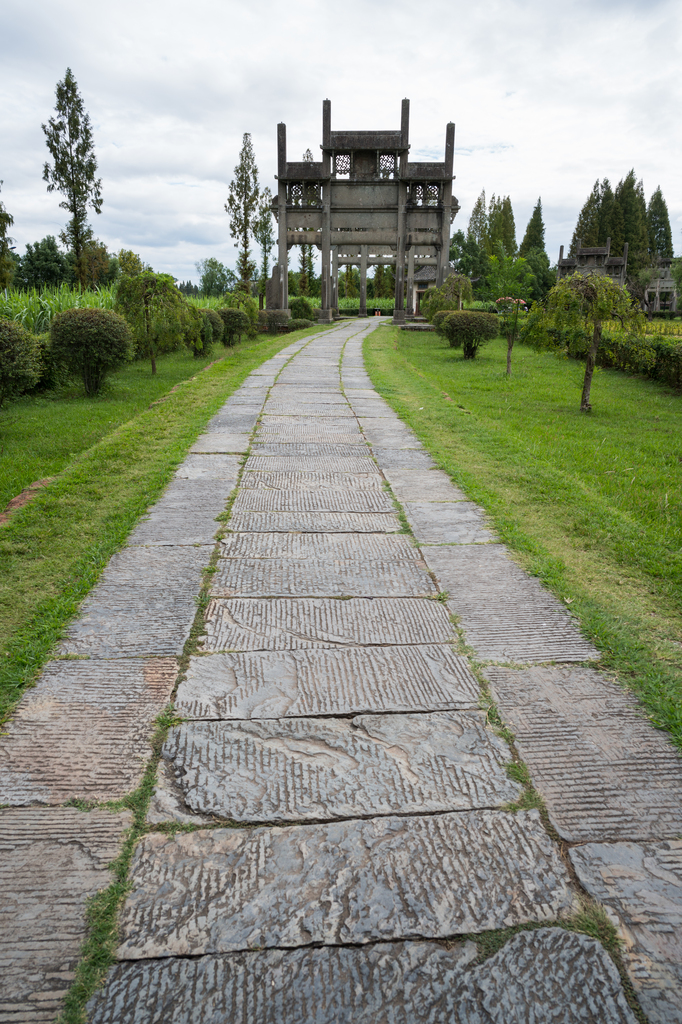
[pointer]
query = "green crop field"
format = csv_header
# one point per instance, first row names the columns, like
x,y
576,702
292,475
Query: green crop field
x,y
592,504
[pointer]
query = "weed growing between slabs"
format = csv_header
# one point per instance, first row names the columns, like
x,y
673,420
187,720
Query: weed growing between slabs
x,y
53,550
591,504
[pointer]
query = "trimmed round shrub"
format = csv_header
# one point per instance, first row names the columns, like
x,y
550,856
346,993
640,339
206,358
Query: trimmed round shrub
x,y
301,308
469,330
299,325
438,317
277,320
91,343
19,360
235,323
216,324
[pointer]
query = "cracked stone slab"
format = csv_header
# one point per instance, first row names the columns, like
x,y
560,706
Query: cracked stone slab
x,y
448,522
274,448
506,614
51,861
402,458
145,603
641,886
419,485
299,623
267,684
313,464
324,565
604,771
225,890
221,441
185,513
323,769
83,731
312,482
337,499
315,522
209,467
547,975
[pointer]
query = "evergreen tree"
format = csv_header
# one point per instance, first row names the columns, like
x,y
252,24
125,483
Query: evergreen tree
x,y
69,140
658,226
587,229
478,222
534,237
379,281
241,205
7,261
629,196
608,214
263,233
501,227
468,257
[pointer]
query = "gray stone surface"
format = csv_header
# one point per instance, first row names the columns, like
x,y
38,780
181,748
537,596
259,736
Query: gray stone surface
x,y
418,485
506,614
83,731
312,769
51,861
312,482
144,604
641,884
448,522
375,409
544,977
387,434
313,464
604,771
185,513
295,624
311,450
329,499
226,890
309,435
402,458
223,441
324,565
315,522
211,467
326,682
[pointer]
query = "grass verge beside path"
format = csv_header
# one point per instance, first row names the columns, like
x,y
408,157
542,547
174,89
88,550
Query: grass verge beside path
x,y
53,550
591,504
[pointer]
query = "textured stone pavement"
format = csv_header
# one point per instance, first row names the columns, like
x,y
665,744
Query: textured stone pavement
x,y
347,795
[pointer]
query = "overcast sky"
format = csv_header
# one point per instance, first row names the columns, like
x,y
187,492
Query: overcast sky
x,y
546,98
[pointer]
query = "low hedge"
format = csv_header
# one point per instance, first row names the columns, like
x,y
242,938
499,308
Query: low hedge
x,y
299,324
469,330
301,308
273,320
659,358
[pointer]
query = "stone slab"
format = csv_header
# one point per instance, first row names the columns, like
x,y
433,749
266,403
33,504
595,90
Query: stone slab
x,y
51,861
343,419
307,436
312,482
448,522
338,499
311,450
423,485
268,684
144,604
315,522
83,731
294,624
319,565
374,408
402,458
313,410
313,464
545,976
185,513
221,441
506,614
604,771
235,421
324,769
641,885
389,434
209,467
225,890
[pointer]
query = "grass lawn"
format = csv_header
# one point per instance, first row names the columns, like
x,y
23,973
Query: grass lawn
x,y
111,458
592,504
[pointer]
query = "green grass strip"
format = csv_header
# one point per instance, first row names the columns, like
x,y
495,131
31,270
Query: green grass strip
x,y
563,490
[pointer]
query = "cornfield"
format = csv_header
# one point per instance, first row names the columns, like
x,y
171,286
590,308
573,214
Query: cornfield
x,y
35,309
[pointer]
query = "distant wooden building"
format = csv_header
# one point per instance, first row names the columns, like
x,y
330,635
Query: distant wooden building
x,y
595,260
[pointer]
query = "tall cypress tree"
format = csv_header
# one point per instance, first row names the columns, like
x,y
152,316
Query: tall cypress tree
x,y
534,237
587,229
478,222
629,196
242,206
606,212
658,226
69,140
501,227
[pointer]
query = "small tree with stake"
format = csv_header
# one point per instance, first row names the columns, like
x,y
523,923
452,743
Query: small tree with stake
x,y
69,140
582,304
513,312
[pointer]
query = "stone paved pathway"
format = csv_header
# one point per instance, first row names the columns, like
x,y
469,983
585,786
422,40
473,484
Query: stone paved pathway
x,y
327,712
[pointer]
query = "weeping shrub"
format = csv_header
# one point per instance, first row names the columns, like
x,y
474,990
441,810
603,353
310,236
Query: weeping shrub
x,y
468,331
91,343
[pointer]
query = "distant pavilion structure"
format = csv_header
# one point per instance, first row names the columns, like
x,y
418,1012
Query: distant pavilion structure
x,y
364,204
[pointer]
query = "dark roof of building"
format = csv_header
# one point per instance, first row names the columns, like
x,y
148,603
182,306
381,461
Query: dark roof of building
x,y
425,274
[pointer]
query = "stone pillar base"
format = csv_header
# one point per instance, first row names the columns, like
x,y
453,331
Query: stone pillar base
x,y
324,316
398,316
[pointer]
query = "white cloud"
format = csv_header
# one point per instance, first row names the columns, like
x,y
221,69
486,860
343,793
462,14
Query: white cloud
x,y
546,99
